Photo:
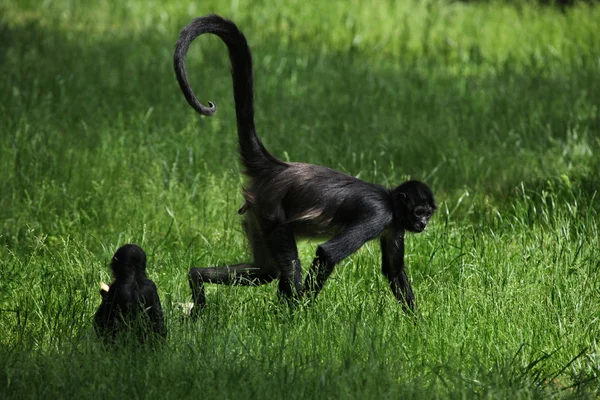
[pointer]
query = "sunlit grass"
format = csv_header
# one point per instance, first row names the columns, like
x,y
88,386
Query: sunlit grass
x,y
496,106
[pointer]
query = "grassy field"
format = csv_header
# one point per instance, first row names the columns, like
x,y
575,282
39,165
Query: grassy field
x,y
496,106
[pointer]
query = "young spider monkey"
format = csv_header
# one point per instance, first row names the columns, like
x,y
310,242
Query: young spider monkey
x,y
285,201
131,301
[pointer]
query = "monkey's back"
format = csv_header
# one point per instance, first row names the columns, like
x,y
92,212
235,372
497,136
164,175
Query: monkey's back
x,y
315,200
129,305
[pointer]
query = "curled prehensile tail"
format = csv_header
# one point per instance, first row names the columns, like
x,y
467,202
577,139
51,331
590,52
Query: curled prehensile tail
x,y
253,153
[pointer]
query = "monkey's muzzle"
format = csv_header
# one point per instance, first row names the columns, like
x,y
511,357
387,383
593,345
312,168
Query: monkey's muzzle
x,y
419,227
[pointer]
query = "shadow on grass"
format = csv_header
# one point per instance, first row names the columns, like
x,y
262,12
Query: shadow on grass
x,y
382,119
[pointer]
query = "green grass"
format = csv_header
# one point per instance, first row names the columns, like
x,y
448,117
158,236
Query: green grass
x,y
496,106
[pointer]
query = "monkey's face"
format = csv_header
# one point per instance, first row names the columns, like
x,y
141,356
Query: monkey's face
x,y
415,203
418,218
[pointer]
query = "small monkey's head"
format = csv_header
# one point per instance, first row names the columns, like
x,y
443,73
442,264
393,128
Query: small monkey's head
x,y
414,205
127,260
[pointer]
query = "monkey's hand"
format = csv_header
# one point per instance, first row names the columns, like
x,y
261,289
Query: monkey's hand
x,y
244,208
104,288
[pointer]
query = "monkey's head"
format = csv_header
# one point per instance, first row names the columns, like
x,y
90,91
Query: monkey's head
x,y
414,205
127,260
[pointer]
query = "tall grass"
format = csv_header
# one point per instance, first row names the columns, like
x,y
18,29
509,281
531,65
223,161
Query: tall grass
x,y
496,106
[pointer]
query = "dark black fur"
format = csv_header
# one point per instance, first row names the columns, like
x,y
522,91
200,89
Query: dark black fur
x,y
132,302
285,201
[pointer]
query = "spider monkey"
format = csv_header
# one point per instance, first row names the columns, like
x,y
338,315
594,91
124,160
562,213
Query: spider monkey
x,y
131,301
289,200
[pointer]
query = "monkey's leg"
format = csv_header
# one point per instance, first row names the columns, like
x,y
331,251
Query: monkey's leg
x,y
263,270
238,274
281,245
317,276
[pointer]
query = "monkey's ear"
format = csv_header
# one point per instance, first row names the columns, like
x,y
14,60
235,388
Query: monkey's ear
x,y
401,197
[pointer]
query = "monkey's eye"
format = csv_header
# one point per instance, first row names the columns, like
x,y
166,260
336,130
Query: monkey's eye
x,y
421,212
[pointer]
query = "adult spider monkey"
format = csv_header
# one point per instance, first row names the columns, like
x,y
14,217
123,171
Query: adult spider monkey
x,y
289,200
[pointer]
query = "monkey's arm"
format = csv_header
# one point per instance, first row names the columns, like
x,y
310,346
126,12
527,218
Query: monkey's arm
x,y
101,318
156,313
340,247
158,319
392,253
